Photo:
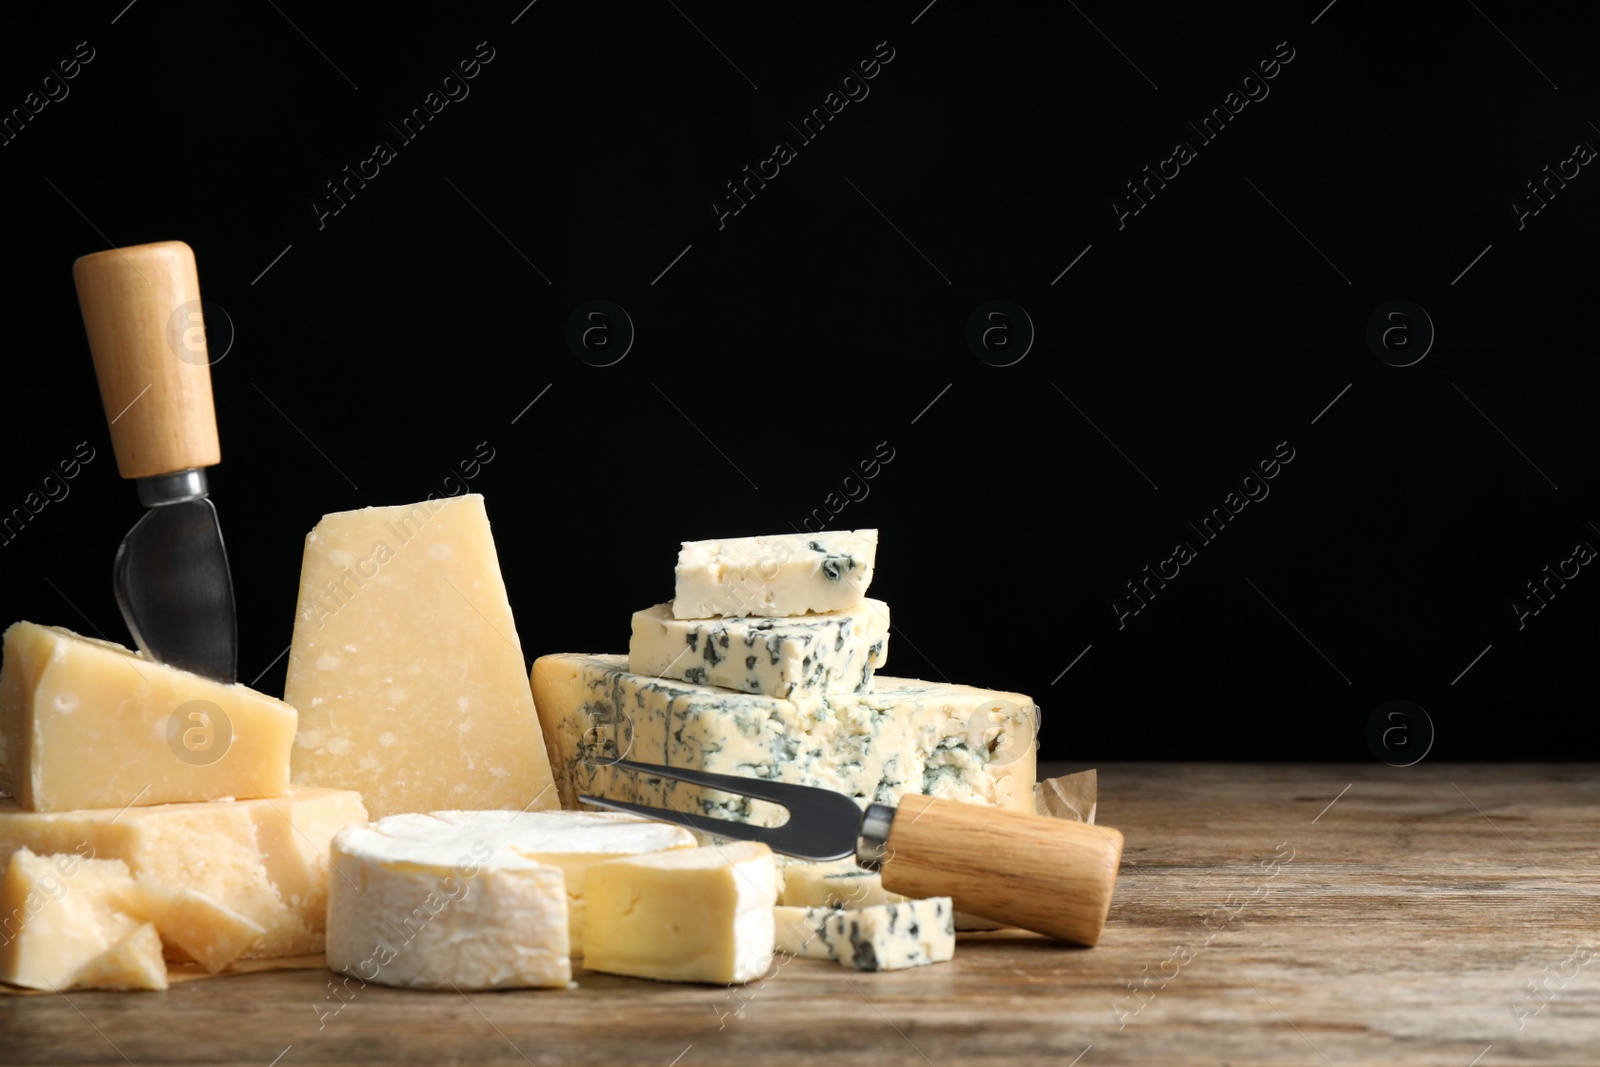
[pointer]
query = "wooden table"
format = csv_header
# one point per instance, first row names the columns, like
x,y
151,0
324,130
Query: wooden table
x,y
1305,914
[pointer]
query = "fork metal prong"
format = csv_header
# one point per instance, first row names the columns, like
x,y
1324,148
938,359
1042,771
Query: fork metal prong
x,y
822,824
782,793
777,838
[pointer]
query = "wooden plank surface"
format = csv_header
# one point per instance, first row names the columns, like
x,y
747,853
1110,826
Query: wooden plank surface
x,y
1407,916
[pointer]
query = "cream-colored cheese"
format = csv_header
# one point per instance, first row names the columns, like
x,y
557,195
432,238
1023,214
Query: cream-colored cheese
x,y
889,937
572,841
133,963
440,910
799,656
781,574
89,724
802,931
262,861
880,937
406,666
192,924
59,914
839,884
689,915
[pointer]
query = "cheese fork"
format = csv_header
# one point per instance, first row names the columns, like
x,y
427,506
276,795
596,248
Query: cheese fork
x,y
1051,876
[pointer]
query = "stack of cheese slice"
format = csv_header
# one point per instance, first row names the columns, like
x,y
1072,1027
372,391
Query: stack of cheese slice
x,y
763,665
123,841
498,899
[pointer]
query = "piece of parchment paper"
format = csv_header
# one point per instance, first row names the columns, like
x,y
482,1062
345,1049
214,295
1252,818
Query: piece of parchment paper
x,y
193,972
1072,796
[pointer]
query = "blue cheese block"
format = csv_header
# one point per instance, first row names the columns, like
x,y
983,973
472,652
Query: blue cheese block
x,y
905,737
803,656
783,574
883,937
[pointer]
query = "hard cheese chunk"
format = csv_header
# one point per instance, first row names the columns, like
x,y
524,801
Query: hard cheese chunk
x,y
904,737
808,655
689,915
67,923
417,906
572,841
222,866
784,574
406,667
89,724
133,963
879,937
193,924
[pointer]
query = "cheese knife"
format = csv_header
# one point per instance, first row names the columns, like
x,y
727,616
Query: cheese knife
x,y
1051,876
141,309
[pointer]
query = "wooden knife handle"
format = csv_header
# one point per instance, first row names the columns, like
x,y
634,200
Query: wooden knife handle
x,y
141,308
1048,875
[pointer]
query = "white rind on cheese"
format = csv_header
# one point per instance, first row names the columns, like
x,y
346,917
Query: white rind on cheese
x,y
90,724
689,915
801,656
904,737
406,666
262,861
782,574
572,841
433,914
879,937
477,899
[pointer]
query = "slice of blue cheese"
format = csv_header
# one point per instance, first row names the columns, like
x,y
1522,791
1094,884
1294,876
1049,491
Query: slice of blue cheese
x,y
905,737
777,575
806,655
883,937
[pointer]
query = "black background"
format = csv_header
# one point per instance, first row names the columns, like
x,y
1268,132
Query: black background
x,y
780,350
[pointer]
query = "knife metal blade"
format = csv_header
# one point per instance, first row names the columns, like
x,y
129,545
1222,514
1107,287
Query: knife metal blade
x,y
171,573
145,321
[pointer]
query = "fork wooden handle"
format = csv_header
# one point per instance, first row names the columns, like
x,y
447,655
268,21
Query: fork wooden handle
x,y
1051,876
